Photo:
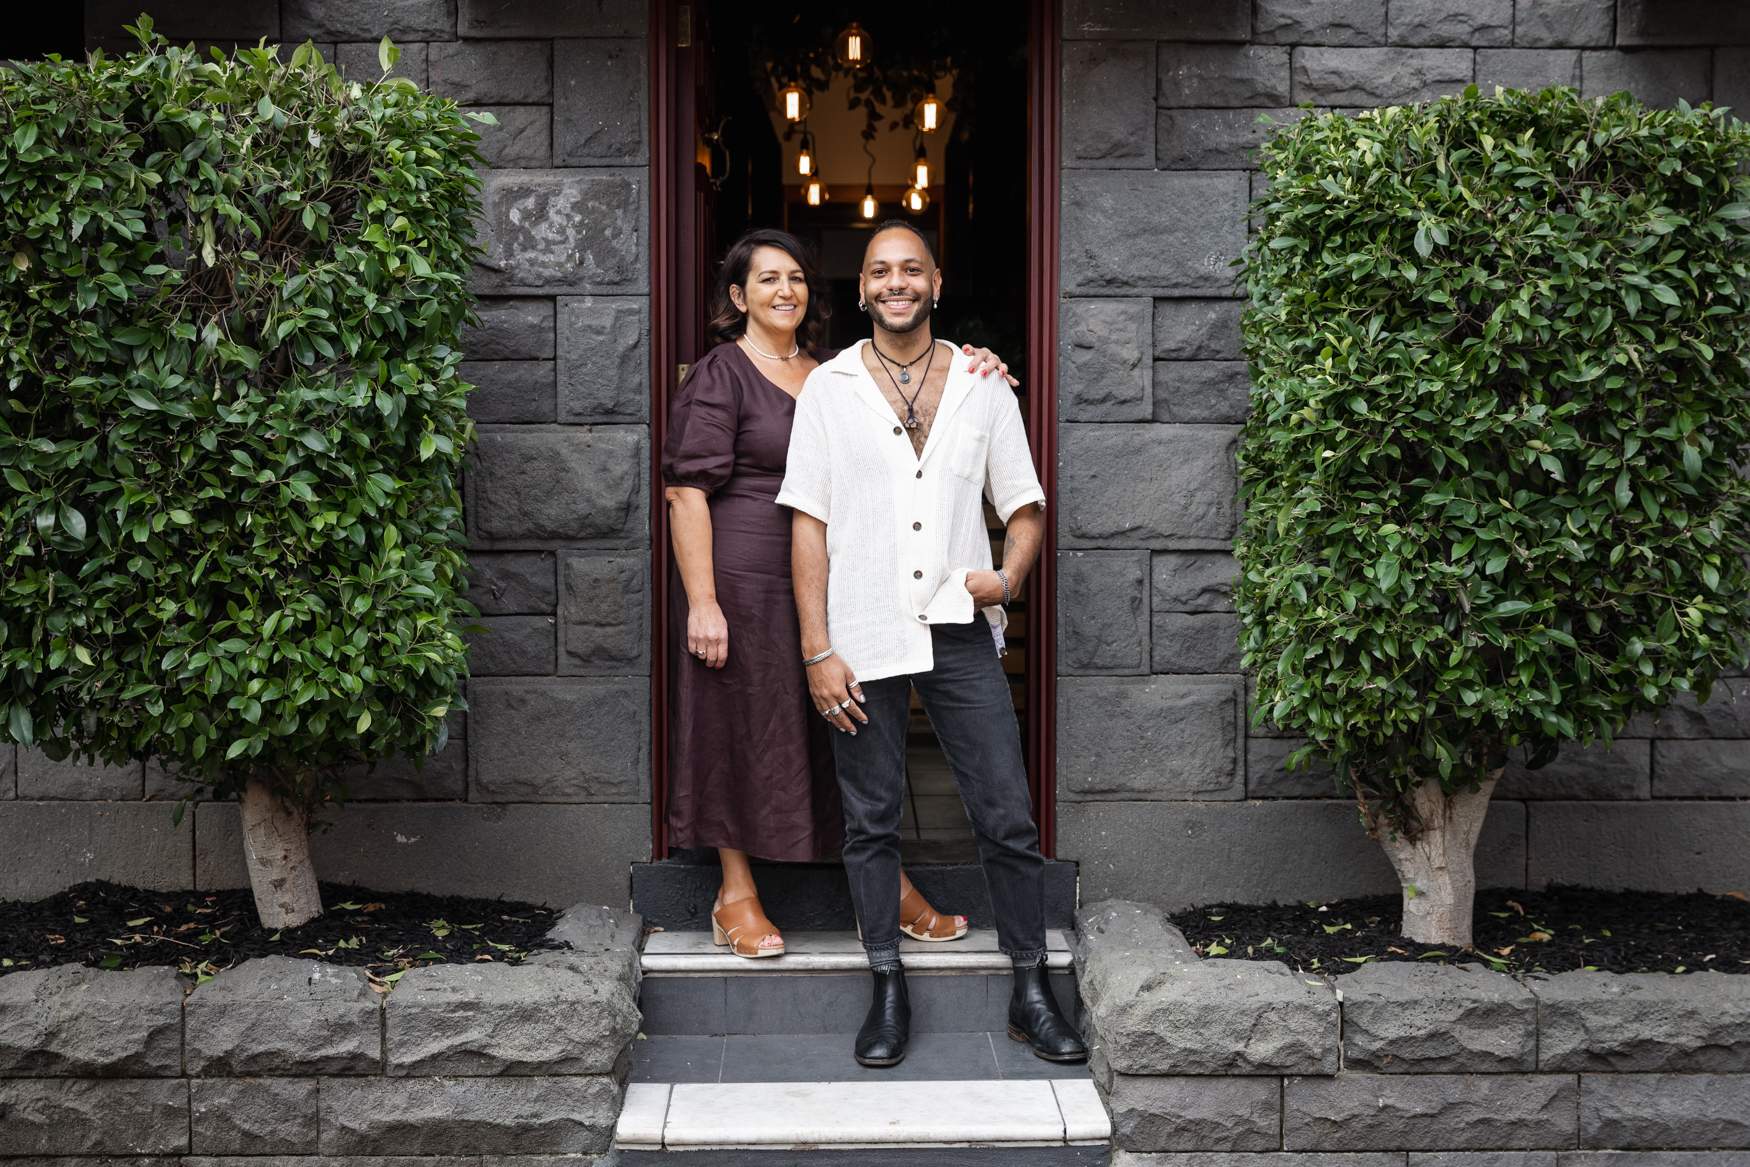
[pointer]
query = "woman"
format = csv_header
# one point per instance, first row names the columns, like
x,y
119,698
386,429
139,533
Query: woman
x,y
751,770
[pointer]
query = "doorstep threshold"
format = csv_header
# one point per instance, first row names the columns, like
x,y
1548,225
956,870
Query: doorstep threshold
x,y
693,954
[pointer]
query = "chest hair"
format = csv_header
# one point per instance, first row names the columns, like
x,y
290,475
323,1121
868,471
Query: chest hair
x,y
928,396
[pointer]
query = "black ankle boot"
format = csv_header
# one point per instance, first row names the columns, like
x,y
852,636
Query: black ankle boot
x,y
881,1041
1035,1019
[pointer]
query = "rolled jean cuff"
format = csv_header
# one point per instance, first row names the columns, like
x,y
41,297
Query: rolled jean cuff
x,y
883,956
1025,958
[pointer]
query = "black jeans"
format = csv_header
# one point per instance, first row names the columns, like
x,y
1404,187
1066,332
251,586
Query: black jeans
x,y
967,698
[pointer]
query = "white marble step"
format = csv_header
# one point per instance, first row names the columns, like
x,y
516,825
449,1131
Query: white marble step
x,y
846,1115
693,954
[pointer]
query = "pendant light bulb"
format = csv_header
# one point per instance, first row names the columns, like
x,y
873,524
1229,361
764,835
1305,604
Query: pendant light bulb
x,y
805,156
853,47
814,193
869,206
921,169
794,101
916,200
928,114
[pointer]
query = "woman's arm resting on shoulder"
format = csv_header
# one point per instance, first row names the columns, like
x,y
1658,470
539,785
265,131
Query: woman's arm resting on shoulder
x,y
984,361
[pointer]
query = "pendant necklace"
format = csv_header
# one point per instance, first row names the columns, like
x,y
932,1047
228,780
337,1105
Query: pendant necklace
x,y
911,413
905,369
794,349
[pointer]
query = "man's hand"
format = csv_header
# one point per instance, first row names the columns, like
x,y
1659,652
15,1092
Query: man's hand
x,y
836,694
986,588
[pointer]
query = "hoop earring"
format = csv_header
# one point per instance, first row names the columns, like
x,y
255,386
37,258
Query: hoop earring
x,y
935,303
861,307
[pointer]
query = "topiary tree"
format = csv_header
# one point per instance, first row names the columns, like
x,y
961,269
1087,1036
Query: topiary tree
x,y
232,431
1501,350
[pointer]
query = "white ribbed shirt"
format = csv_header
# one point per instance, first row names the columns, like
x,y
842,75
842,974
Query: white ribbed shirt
x,y
903,530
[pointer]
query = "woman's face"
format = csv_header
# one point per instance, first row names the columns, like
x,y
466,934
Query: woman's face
x,y
776,293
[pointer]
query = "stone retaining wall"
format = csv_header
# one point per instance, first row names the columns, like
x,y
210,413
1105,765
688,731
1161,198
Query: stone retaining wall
x,y
1236,1063
474,1064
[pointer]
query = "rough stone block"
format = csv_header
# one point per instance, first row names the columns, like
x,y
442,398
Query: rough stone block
x,y
1215,139
1422,1018
1640,1022
524,1019
1196,642
1156,486
1194,581
598,101
1156,20
1490,1159
1366,77
1656,76
1122,1158
573,485
509,582
1649,1159
602,626
540,853
1653,846
8,771
1213,76
512,646
53,845
1681,22
39,777
253,1116
1321,22
1548,23
1197,330
1102,611
1665,1111
326,1020
1268,776
1531,69
522,137
358,20
604,358
244,22
1103,365
93,1116
564,231
1732,79
1624,771
415,1116
1157,1009
1149,738
511,328
544,18
1108,93
357,61
1181,1113
1701,769
1144,231
1193,392
510,391
72,1020
572,740
440,775
1726,714
1438,1112
1472,23
476,72
1181,854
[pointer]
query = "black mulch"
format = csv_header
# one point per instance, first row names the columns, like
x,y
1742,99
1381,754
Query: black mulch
x,y
1557,930
106,925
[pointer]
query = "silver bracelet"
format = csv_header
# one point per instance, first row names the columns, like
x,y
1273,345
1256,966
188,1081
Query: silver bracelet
x,y
814,660
1004,577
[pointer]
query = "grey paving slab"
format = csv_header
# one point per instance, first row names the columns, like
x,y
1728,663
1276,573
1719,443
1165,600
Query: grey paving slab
x,y
682,1005
826,1057
1016,1060
677,1058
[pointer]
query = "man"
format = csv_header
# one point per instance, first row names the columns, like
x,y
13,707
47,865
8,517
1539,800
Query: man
x,y
892,452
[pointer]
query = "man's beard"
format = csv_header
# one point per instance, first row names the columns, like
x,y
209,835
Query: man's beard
x,y
919,317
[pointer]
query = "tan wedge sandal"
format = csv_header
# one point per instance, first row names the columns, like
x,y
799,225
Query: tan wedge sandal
x,y
739,927
920,921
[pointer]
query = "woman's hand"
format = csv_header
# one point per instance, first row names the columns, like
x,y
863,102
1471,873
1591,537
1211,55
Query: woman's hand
x,y
708,634
985,588
836,694
984,361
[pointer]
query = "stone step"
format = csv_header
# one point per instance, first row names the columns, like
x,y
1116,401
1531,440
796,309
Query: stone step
x,y
1072,1155
677,893
891,1116
821,985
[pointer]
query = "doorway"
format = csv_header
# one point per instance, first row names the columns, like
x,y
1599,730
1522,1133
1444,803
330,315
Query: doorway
x,y
733,150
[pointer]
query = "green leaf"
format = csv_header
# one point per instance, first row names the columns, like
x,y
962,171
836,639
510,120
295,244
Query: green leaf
x,y
388,53
72,521
1663,294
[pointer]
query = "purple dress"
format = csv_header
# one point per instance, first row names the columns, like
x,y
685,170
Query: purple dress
x,y
750,763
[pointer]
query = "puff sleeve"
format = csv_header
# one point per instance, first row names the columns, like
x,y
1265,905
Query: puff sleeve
x,y
702,424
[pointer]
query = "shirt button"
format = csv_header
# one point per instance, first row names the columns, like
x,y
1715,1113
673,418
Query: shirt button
x,y
921,616
917,575
921,474
917,526
896,430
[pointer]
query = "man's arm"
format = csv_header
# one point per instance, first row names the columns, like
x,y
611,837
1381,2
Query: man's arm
x,y
831,681
1025,535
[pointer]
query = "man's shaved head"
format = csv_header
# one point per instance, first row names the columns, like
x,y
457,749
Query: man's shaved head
x,y
888,225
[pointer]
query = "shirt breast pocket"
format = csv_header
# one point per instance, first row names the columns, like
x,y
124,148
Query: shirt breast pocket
x,y
968,457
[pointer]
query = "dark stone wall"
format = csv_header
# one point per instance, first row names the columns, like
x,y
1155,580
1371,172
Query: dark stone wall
x,y
1163,793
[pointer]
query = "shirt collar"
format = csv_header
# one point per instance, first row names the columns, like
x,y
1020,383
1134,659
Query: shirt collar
x,y
849,363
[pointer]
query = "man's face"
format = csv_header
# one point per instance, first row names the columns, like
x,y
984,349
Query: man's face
x,y
899,281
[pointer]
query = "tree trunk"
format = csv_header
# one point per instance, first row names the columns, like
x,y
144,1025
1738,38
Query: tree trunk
x,y
276,848
1438,868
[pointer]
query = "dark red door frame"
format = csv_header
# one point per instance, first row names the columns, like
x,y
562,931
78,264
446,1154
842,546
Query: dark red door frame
x,y
674,308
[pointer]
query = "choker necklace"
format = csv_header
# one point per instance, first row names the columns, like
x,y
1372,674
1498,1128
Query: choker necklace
x,y
794,349
905,369
911,413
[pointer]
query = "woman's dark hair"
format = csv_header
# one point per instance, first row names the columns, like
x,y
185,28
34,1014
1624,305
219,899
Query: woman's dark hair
x,y
728,322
